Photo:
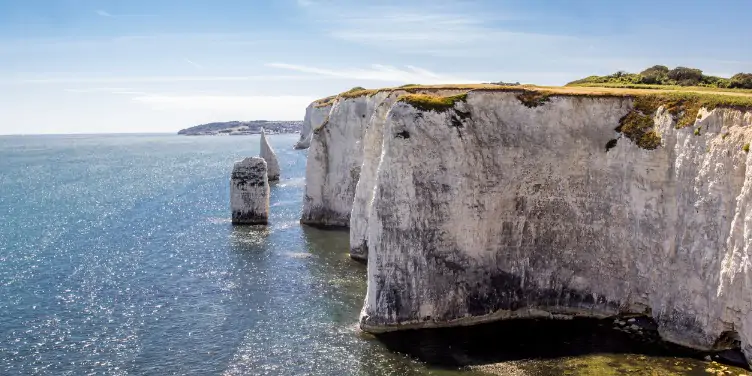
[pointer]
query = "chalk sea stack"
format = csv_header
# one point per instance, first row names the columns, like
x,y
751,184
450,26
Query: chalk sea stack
x,y
478,203
267,153
249,192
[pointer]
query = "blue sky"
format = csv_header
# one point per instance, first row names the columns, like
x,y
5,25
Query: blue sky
x,y
103,66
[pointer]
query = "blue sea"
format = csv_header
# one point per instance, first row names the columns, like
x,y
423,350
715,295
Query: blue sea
x,y
117,257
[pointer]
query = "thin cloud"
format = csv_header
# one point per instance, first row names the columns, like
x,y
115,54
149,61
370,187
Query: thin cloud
x,y
195,64
452,28
377,72
99,90
154,79
104,13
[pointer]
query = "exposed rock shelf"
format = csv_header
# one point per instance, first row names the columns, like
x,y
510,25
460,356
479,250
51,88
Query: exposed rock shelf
x,y
501,204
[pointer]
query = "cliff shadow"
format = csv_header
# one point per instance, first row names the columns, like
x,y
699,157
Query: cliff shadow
x,y
535,341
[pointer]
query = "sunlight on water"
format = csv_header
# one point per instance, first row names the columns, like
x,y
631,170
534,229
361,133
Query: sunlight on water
x,y
117,257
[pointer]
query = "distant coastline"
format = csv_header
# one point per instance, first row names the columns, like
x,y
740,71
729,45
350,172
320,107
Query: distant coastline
x,y
240,128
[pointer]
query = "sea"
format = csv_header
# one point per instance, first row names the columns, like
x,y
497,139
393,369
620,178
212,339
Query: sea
x,y
117,257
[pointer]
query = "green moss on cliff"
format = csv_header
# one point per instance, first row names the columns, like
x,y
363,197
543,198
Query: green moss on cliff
x,y
531,98
640,128
323,102
425,102
357,92
685,106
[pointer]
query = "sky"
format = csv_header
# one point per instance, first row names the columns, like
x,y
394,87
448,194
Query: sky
x,y
117,66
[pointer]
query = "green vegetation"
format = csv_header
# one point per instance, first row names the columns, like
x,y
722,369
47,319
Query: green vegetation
x,y
660,75
741,81
323,102
746,148
686,105
639,128
357,92
426,102
697,131
683,103
533,98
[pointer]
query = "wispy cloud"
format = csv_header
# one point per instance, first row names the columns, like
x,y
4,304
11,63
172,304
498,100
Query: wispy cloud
x,y
444,28
100,90
193,63
104,13
377,72
153,79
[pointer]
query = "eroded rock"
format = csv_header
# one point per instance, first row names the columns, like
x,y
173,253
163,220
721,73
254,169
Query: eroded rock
x,y
249,192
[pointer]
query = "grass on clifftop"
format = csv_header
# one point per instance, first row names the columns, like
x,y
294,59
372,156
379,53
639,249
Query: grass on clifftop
x,y
425,102
683,103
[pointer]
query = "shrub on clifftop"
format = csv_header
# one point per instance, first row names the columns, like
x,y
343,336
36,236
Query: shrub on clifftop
x,y
741,81
661,75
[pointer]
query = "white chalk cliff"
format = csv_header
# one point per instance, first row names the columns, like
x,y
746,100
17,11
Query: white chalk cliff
x,y
268,154
491,209
336,165
249,192
315,115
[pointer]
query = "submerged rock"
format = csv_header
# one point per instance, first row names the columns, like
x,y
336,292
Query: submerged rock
x,y
249,192
267,153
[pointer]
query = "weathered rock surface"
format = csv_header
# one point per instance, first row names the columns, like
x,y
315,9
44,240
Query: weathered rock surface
x,y
336,172
495,210
316,114
249,192
268,154
334,160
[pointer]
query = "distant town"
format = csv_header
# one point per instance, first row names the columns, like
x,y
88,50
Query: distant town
x,y
239,128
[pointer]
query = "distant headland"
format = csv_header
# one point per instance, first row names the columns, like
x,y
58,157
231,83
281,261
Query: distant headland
x,y
239,128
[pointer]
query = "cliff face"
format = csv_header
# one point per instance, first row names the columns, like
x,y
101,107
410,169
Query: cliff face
x,y
497,206
315,115
337,174
492,209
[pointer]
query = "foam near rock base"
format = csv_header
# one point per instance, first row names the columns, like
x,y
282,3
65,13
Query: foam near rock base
x,y
498,206
249,192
